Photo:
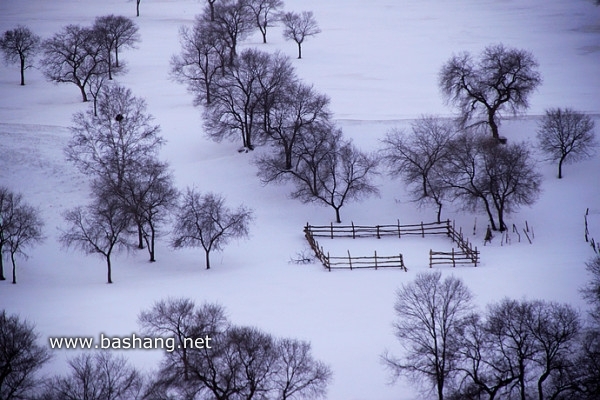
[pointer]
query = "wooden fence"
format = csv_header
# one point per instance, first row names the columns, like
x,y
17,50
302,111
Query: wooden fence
x,y
349,262
360,231
453,257
466,254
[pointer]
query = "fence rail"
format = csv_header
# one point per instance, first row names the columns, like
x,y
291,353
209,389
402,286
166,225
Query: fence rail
x,y
453,257
349,262
466,255
358,231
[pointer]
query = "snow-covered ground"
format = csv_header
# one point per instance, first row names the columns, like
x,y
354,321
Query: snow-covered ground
x,y
378,61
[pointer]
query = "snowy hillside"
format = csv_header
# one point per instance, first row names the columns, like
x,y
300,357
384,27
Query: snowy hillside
x,y
379,62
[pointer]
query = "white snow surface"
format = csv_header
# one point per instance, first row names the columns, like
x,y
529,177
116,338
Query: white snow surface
x,y
378,61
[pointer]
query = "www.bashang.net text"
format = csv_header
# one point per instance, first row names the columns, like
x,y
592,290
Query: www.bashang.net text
x,y
103,342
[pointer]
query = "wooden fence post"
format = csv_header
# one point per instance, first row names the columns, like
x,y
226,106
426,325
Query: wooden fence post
x,y
476,256
353,232
378,234
350,260
332,230
328,262
399,233
422,230
375,260
430,258
453,261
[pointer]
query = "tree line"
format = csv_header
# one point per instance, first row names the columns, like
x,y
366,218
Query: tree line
x,y
242,362
515,349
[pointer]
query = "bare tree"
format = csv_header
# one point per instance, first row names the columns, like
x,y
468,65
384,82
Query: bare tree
x,y
97,376
74,55
502,178
19,45
20,227
114,33
97,229
9,202
566,136
25,229
431,312
523,349
115,144
20,357
299,374
265,12
331,170
484,366
244,362
297,108
148,194
201,60
205,220
242,98
537,340
233,23
502,79
299,26
418,158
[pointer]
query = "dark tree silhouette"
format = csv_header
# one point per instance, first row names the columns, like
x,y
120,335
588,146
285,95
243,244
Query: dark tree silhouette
x,y
20,227
566,136
148,194
97,376
20,358
299,26
243,362
265,12
297,108
205,220
501,177
201,61
114,33
431,313
233,23
97,229
74,55
19,45
418,158
501,80
115,145
242,98
330,170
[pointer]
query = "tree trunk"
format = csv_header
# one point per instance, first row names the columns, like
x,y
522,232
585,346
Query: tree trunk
x,y
22,71
337,215
207,257
138,7
109,269
83,93
299,50
117,55
439,212
492,123
14,268
560,164
490,216
109,67
2,277
140,236
150,243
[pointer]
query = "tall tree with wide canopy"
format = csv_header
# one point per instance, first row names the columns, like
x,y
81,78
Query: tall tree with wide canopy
x,y
501,79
